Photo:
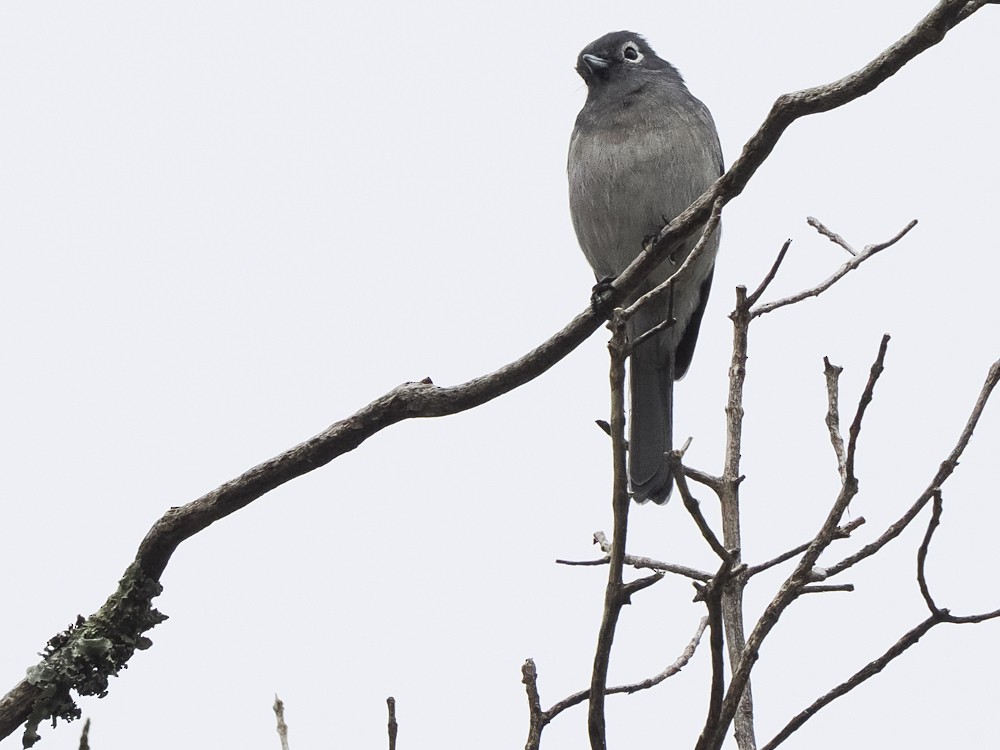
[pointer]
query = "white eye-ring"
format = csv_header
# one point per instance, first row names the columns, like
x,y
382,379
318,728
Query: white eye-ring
x,y
630,52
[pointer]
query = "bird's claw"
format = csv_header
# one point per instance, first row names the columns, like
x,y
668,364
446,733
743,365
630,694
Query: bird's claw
x,y
600,292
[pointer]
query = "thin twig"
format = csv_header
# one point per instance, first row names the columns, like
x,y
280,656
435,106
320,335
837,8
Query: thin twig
x,y
841,272
584,563
842,532
944,614
973,619
937,616
648,563
633,687
670,671
279,712
694,508
710,226
944,471
712,482
634,587
832,373
832,236
393,727
85,736
925,546
867,395
769,276
815,588
867,672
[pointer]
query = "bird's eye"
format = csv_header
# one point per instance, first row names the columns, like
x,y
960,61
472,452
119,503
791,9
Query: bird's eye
x,y
631,52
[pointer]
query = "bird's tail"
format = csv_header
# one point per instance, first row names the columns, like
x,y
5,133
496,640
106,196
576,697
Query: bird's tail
x,y
651,386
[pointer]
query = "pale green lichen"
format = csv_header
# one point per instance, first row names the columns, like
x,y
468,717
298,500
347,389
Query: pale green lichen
x,y
84,656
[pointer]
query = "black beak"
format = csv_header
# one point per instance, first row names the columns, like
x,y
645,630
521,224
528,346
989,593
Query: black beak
x,y
594,62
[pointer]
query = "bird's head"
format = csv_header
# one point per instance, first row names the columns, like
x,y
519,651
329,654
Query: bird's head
x,y
620,55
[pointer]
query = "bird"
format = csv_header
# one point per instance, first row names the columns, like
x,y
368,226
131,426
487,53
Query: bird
x,y
642,150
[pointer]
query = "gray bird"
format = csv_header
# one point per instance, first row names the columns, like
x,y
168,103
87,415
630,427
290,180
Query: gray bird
x,y
642,151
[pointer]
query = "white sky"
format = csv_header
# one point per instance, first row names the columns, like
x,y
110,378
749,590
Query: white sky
x,y
227,225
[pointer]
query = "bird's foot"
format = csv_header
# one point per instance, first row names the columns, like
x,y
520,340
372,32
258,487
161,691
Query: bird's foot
x,y
600,292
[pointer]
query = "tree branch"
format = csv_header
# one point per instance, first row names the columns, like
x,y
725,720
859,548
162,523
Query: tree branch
x,y
944,471
540,719
423,399
841,272
644,562
842,532
867,672
615,595
800,577
282,727
832,373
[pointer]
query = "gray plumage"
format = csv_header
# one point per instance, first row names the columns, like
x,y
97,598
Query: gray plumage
x,y
642,151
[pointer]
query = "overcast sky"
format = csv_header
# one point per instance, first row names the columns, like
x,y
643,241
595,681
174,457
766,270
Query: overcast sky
x,y
227,225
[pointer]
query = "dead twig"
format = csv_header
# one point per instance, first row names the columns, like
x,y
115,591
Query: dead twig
x,y
615,595
393,727
706,234
539,719
694,507
639,563
832,236
803,573
279,712
937,616
832,373
865,673
841,272
842,532
944,471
